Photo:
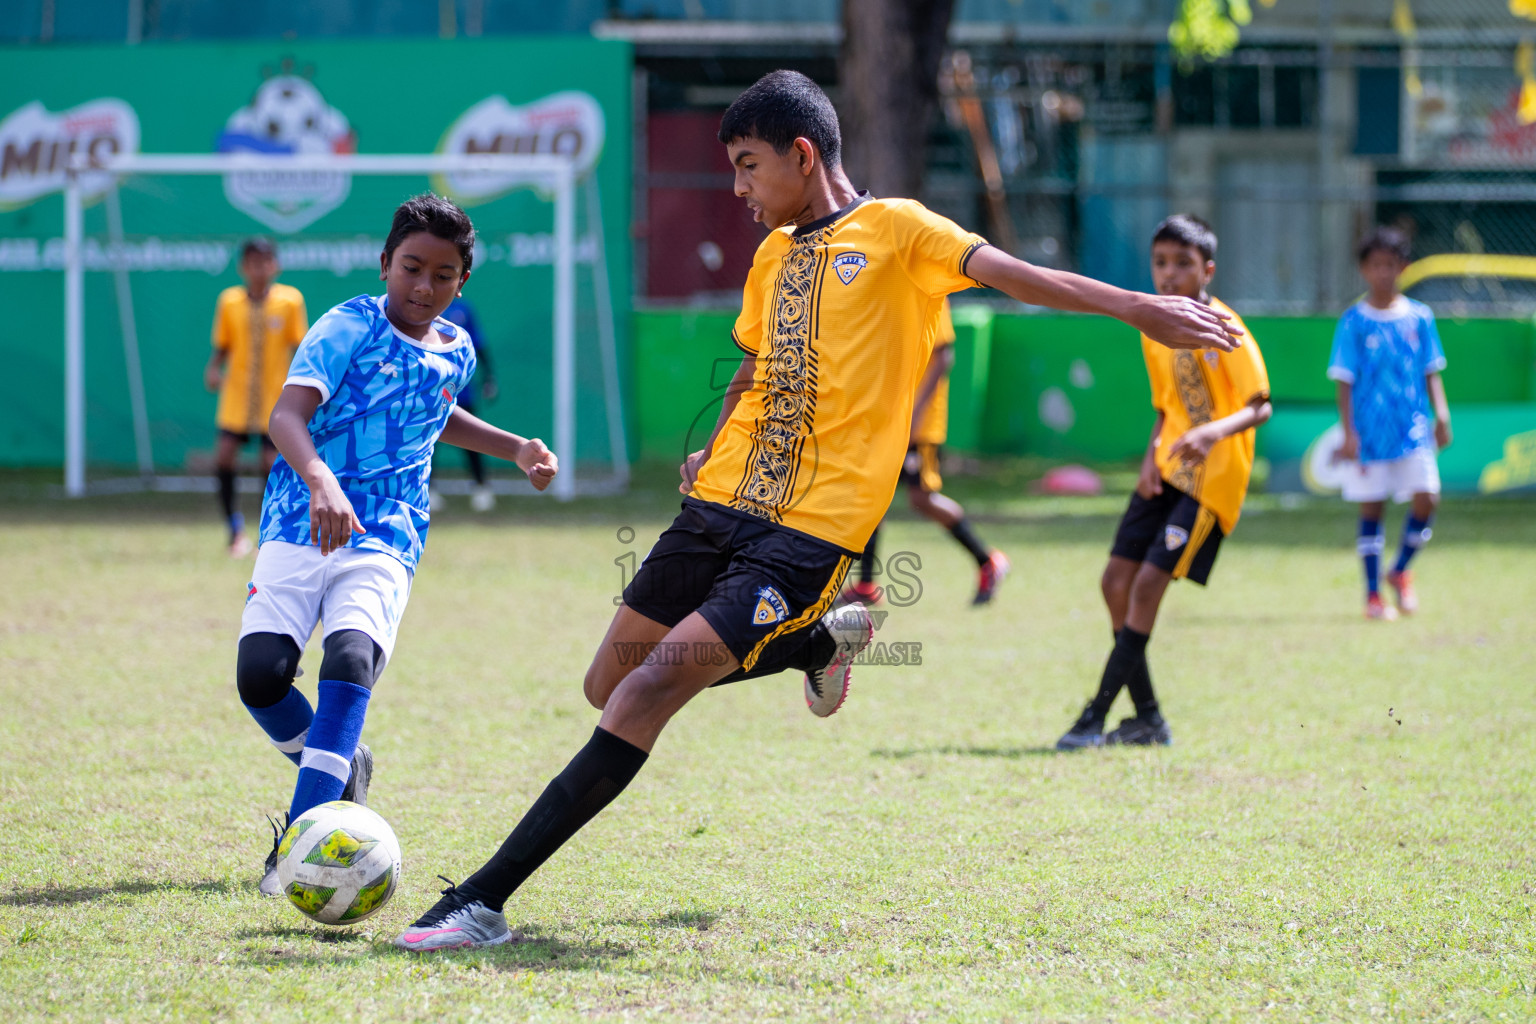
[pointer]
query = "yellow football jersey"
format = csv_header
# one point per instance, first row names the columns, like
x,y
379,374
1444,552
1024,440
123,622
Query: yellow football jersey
x,y
841,315
933,428
260,339
1194,387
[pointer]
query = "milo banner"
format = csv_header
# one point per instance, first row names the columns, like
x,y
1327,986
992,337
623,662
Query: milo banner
x,y
179,237
1493,449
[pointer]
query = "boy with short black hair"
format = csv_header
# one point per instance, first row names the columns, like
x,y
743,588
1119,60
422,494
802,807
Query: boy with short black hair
x,y
256,327
1194,477
1386,365
838,319
372,388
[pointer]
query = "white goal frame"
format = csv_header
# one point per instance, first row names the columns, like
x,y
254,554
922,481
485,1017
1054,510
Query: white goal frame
x,y
556,173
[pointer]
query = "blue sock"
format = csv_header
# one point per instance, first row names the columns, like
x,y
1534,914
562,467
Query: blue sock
x,y
286,723
327,759
1370,544
236,523
1415,532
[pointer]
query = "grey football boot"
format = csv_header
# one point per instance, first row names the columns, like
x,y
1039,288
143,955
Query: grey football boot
x,y
455,922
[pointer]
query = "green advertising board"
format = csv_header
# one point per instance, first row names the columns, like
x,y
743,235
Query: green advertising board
x,y
1493,450
180,237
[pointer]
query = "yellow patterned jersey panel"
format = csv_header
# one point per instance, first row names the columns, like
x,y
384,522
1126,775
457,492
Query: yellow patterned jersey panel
x,y
841,315
259,339
1194,387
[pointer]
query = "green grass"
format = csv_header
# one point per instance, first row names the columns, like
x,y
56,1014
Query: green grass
x,y
1343,830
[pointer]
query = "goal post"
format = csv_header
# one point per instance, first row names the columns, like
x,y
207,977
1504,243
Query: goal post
x,y
551,175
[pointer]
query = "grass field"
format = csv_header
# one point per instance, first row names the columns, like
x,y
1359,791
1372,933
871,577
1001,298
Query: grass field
x,y
1343,829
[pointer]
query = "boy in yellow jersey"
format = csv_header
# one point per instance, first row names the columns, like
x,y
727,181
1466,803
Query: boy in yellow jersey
x,y
1193,481
920,472
837,323
256,328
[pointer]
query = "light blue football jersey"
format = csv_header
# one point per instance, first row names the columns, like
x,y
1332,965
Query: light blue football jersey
x,y
384,401
1385,355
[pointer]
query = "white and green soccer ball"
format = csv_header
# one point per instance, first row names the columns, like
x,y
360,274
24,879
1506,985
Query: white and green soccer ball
x,y
338,863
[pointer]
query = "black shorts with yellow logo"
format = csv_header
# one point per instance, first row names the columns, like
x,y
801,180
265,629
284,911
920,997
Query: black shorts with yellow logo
x,y
1171,531
752,581
921,467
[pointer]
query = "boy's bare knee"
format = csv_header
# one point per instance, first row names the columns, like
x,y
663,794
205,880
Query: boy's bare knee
x,y
597,687
1115,583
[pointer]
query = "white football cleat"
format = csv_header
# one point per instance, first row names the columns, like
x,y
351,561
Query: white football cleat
x,y
827,687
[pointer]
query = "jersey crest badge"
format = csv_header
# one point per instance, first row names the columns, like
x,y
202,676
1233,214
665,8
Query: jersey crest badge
x,y
771,608
848,266
1175,537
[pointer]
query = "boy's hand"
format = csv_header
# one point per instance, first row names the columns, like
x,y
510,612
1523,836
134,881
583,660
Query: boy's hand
x,y
1194,445
1348,449
1443,433
538,462
489,390
1180,322
212,378
690,469
331,518
1150,483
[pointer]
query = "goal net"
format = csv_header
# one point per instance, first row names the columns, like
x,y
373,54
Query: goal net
x,y
151,240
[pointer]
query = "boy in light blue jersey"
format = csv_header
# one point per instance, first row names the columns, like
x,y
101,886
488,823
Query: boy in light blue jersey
x,y
371,389
1386,364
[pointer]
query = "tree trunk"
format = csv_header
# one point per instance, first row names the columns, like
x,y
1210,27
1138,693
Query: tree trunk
x,y
888,74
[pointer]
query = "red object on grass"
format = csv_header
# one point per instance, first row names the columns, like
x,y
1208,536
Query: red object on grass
x,y
1072,479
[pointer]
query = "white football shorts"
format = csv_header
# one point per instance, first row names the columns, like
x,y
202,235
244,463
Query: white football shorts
x,y
1402,478
293,586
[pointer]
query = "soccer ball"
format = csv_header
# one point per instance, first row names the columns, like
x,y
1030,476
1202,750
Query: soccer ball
x,y
338,863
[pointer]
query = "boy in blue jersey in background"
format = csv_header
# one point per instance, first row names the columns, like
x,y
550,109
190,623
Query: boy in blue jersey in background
x,y
371,389
1386,363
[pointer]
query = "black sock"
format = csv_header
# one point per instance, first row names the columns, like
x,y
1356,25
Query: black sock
x,y
867,561
598,773
476,466
962,532
1125,668
227,495
802,650
1139,681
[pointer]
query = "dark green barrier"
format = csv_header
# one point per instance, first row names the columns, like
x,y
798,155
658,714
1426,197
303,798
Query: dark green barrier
x,y
1487,360
1075,387
685,360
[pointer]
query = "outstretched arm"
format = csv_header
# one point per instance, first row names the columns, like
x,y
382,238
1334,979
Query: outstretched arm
x,y
1171,320
331,518
739,385
532,456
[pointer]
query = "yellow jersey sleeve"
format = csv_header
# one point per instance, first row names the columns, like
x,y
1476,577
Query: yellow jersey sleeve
x,y
934,250
748,331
